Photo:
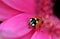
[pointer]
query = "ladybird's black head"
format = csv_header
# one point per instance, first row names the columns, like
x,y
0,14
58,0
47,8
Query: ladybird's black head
x,y
34,21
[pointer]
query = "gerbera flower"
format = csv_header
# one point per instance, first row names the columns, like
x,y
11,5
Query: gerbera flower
x,y
30,24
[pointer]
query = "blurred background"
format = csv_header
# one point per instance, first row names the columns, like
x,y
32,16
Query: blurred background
x,y
56,8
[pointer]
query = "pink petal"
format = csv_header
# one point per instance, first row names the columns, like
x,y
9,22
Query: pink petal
x,y
40,35
21,5
16,26
53,22
56,23
27,36
6,11
55,37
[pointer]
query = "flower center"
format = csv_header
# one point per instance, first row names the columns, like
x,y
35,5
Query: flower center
x,y
35,22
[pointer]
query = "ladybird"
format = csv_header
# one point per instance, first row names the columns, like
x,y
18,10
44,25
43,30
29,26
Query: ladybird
x,y
35,22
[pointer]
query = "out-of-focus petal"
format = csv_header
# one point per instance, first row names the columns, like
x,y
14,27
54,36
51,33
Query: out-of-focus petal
x,y
54,19
56,23
6,11
55,37
40,35
26,36
21,5
16,26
